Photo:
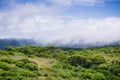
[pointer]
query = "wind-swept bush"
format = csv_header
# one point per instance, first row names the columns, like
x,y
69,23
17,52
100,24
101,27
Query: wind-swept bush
x,y
20,64
26,64
115,69
3,52
7,60
86,61
98,76
97,60
5,66
31,66
80,60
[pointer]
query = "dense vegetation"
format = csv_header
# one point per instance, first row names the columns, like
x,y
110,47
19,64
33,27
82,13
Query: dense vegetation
x,y
53,63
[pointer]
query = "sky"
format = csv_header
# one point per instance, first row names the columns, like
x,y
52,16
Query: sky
x,y
61,22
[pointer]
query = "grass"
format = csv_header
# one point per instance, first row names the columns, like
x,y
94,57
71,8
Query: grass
x,y
44,62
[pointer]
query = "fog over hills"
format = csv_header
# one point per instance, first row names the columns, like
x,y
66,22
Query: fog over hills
x,y
23,42
15,42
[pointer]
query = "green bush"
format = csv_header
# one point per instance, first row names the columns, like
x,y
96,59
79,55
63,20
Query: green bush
x,y
31,66
3,52
112,77
98,60
9,78
11,53
86,61
65,74
98,76
115,69
20,64
26,73
50,78
43,55
25,60
116,62
7,60
26,64
104,66
5,66
8,73
80,60
85,75
9,48
28,50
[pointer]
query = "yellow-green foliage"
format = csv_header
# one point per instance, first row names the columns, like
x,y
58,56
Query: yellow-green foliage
x,y
53,63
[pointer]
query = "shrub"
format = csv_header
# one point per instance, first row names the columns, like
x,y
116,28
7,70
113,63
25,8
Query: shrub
x,y
4,66
104,66
112,77
7,60
27,73
50,78
8,73
11,53
80,60
20,64
115,69
67,66
31,66
85,75
86,61
63,57
4,52
46,75
9,78
98,76
65,74
25,60
26,64
43,55
9,48
96,60
116,62
27,50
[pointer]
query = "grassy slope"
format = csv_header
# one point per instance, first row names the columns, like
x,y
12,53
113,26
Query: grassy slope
x,y
52,63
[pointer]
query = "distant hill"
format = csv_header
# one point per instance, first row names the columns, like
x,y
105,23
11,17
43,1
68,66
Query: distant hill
x,y
16,42
23,42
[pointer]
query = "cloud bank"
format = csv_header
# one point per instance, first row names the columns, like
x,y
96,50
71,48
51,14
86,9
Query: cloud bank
x,y
48,26
78,2
60,2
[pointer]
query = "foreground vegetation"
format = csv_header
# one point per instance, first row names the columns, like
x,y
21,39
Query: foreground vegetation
x,y
53,63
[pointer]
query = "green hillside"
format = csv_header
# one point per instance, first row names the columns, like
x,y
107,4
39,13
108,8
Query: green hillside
x,y
53,63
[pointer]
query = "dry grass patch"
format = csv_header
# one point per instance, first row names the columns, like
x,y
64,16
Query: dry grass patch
x,y
44,62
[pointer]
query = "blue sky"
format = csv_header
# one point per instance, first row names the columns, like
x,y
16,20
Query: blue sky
x,y
105,8
108,9
63,21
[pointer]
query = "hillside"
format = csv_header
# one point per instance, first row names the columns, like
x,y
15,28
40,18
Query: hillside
x,y
26,42
15,42
53,63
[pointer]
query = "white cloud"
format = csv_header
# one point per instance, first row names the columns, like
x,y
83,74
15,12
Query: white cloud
x,y
41,23
62,3
80,2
